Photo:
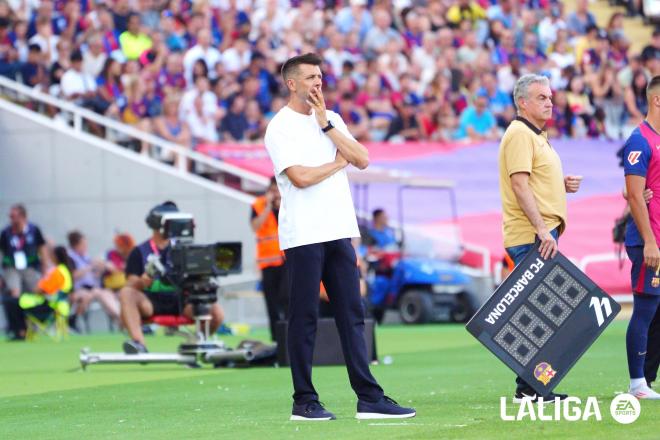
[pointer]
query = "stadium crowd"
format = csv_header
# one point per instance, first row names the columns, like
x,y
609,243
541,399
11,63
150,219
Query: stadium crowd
x,y
196,72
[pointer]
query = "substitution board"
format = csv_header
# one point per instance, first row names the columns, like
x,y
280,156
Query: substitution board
x,y
543,318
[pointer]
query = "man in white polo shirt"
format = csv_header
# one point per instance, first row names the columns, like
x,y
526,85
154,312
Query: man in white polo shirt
x,y
310,147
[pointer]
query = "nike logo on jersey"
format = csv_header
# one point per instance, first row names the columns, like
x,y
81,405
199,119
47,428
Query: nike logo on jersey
x,y
633,157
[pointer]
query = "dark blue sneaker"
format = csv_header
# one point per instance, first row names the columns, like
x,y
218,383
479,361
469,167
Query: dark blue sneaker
x,y
385,408
311,411
134,347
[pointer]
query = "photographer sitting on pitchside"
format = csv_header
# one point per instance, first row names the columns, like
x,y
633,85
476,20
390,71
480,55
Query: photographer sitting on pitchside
x,y
143,297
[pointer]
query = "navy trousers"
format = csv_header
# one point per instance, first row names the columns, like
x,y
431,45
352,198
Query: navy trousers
x,y
334,263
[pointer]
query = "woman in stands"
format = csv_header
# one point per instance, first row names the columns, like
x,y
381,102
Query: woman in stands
x,y
115,278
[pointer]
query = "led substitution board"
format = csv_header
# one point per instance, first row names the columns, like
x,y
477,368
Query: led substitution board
x,y
543,318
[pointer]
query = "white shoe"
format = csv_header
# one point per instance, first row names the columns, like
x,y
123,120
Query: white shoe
x,y
644,392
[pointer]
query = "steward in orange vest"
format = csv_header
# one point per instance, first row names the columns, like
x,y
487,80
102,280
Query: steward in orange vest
x,y
268,247
270,258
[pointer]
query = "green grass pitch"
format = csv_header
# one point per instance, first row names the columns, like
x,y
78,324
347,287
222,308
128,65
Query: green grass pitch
x,y
452,381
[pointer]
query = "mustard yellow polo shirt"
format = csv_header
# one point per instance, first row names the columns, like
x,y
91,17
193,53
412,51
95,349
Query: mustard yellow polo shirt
x,y
525,148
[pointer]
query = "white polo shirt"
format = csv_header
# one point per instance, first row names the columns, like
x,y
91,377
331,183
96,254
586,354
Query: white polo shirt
x,y
321,212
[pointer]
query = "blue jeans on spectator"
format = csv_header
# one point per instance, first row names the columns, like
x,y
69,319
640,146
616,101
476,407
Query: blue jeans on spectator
x,y
517,254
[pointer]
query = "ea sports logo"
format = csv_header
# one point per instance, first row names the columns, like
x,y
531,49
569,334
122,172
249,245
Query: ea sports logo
x,y
625,408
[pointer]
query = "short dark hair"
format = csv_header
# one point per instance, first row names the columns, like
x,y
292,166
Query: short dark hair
x,y
653,84
20,208
74,238
291,65
76,56
377,213
34,48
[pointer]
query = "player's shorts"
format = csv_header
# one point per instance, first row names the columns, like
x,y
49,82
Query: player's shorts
x,y
165,303
644,279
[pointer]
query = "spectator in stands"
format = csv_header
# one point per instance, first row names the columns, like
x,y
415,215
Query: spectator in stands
x,y
583,123
499,102
204,51
404,127
143,297
562,54
581,19
24,258
20,39
615,25
33,72
94,57
115,276
8,54
651,54
133,41
550,26
109,87
465,10
201,123
607,97
355,17
238,57
381,33
256,124
170,127
46,40
560,124
80,87
503,12
595,58
87,280
635,99
266,83
355,118
234,124
477,122
239,51
109,34
170,79
135,111
375,99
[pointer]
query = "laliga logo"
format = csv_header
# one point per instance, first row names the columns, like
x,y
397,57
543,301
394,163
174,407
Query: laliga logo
x,y
625,409
569,409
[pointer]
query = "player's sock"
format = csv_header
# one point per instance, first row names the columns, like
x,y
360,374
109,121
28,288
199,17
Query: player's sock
x,y
636,383
637,335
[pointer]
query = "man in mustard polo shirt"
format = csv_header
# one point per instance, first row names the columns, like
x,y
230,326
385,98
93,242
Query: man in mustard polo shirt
x,y
532,185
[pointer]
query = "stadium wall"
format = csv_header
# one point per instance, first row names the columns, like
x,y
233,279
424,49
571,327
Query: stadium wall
x,y
72,180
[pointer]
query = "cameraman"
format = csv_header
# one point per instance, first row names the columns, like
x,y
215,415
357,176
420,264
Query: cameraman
x,y
143,297
270,258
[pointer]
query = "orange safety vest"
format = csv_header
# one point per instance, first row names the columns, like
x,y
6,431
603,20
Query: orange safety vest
x,y
268,246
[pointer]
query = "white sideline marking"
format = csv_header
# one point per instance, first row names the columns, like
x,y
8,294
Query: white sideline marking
x,y
396,424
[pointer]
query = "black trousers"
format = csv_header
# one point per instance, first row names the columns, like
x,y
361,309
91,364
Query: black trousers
x,y
334,263
653,350
14,314
274,283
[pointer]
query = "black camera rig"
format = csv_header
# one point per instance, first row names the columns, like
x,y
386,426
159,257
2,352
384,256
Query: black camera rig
x,y
194,270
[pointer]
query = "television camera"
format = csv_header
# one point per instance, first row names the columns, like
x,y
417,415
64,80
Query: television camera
x,y
194,270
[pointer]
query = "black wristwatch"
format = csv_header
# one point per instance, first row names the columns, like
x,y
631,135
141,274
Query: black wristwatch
x,y
328,127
